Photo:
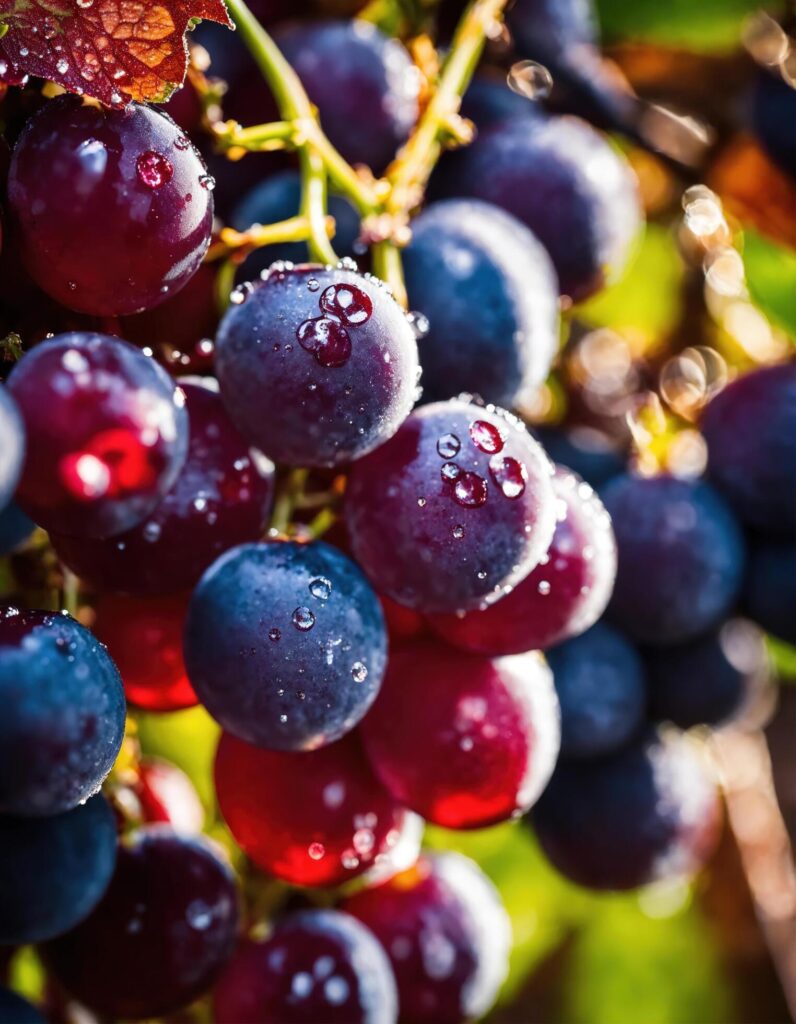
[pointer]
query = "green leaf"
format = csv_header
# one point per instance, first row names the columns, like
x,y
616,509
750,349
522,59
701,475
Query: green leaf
x,y
771,278
707,25
646,303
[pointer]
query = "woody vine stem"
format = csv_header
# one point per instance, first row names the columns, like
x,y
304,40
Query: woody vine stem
x,y
384,205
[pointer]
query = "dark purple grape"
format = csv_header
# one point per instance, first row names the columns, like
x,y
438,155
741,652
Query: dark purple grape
x,y
312,818
562,36
107,434
773,117
221,498
114,207
54,870
316,965
455,508
483,748
285,644
490,294
363,83
750,429
446,934
63,713
680,558
488,101
12,448
706,681
601,686
646,813
278,198
16,1010
317,367
591,454
165,927
565,594
769,594
566,183
15,527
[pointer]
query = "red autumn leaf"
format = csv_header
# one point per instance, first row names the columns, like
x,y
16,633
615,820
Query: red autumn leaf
x,y
112,50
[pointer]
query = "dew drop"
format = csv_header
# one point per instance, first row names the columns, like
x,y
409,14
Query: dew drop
x,y
509,474
182,142
313,284
349,304
283,719
450,472
458,532
543,588
421,502
207,181
359,672
470,490
486,437
448,446
326,339
303,619
62,66
529,79
321,588
274,634
153,169
317,851
419,324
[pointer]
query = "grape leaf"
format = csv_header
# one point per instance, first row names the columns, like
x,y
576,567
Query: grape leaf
x,y
112,50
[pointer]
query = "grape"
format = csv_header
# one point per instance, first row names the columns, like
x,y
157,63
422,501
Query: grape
x,y
706,681
564,595
167,796
773,116
482,750
446,934
314,818
15,527
114,207
176,328
285,644
54,870
645,813
12,449
63,713
363,83
316,366
490,294
586,451
488,101
601,685
680,558
316,965
107,434
144,637
165,927
454,508
16,1010
278,198
769,595
220,498
750,429
402,623
563,181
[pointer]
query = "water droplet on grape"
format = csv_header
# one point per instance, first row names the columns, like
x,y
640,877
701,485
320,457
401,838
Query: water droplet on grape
x,y
303,619
486,437
470,490
153,169
316,851
421,502
450,472
321,588
207,181
448,446
359,672
458,532
351,305
509,474
274,634
543,588
326,339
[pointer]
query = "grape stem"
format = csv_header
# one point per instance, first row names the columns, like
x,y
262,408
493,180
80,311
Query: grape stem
x,y
385,206
294,229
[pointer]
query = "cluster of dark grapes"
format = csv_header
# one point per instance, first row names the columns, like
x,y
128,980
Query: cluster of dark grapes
x,y
481,637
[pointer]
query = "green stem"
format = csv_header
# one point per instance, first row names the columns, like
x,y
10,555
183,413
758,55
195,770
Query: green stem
x,y
286,499
261,137
294,105
388,265
324,521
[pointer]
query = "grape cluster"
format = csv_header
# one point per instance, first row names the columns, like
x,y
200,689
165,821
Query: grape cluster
x,y
331,525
